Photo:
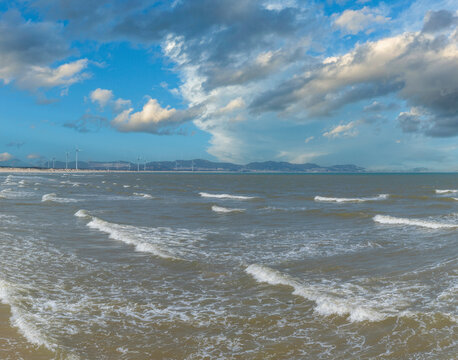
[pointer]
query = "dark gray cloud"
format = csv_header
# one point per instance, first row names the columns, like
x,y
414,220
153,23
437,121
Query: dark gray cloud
x,y
29,48
215,29
87,123
420,69
220,35
439,20
410,122
29,43
252,69
443,126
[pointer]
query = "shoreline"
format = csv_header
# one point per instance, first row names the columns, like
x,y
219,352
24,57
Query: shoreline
x,y
104,171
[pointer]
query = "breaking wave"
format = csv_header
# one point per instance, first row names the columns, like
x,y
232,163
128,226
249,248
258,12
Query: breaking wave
x,y
54,198
19,318
11,194
226,196
146,196
391,220
223,210
446,191
325,303
362,199
128,234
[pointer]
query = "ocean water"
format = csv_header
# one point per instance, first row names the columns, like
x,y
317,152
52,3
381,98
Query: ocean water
x,y
228,266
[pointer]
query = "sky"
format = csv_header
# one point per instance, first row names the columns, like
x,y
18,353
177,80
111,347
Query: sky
x,y
368,82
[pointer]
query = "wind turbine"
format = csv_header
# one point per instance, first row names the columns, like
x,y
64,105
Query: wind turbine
x,y
53,162
76,157
138,163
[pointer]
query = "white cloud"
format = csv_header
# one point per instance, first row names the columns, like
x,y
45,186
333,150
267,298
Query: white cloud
x,y
233,105
346,130
28,50
310,138
101,97
35,77
6,156
354,21
104,97
152,118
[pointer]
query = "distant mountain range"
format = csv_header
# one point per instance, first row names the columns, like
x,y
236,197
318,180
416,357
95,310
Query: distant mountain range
x,y
196,165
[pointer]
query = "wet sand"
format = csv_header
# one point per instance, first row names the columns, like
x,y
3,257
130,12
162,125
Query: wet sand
x,y
13,345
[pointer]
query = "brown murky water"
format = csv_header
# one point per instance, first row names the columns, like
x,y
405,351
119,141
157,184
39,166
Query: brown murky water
x,y
204,266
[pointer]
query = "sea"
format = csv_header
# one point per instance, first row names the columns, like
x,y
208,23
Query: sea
x,y
228,266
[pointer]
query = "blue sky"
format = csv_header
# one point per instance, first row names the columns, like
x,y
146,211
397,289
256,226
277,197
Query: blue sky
x,y
374,83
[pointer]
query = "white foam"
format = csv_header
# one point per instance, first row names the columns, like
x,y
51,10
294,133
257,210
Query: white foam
x,y
129,235
226,196
11,194
223,210
54,198
326,304
143,195
126,186
391,220
362,199
82,213
446,191
19,318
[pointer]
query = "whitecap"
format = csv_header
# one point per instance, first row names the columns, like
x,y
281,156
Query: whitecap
x,y
226,196
54,198
325,303
82,213
19,319
128,234
446,191
220,209
11,194
362,199
391,220
143,195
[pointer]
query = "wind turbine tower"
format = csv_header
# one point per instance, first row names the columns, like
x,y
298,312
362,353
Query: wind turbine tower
x,y
76,157
138,163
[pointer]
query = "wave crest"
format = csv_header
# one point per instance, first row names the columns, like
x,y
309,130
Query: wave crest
x,y
223,210
226,196
143,195
82,213
391,220
128,234
326,304
52,197
362,199
446,191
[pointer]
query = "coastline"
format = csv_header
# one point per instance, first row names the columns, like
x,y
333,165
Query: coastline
x,y
104,171
13,345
